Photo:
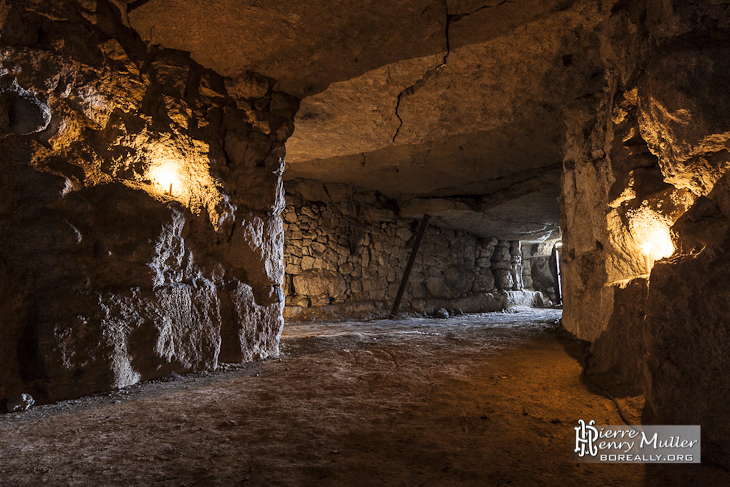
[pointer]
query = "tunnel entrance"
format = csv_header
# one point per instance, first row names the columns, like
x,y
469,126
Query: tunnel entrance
x,y
347,249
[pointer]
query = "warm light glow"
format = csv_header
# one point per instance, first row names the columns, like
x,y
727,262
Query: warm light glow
x,y
659,247
178,168
651,232
166,176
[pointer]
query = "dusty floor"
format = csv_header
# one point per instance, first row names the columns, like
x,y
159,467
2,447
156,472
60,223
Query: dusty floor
x,y
469,401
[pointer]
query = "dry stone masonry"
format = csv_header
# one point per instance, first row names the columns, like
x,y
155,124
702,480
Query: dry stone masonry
x,y
538,268
346,249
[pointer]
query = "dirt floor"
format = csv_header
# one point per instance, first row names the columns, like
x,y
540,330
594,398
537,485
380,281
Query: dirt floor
x,y
474,400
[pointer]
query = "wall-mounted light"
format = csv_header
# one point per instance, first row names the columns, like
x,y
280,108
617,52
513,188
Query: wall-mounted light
x,y
179,169
659,245
651,232
166,178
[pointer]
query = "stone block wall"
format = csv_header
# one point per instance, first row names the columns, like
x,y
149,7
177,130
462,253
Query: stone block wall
x,y
538,268
139,223
346,249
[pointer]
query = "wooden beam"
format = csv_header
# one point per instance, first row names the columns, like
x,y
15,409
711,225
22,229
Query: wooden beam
x,y
409,265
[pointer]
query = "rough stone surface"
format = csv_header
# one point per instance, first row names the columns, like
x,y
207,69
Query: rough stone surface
x,y
21,402
481,86
682,117
528,211
346,245
613,180
401,128
537,268
305,47
616,360
645,220
139,218
288,42
142,190
533,299
687,353
441,313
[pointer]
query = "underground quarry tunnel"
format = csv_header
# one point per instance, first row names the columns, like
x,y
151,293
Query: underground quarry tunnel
x,y
403,242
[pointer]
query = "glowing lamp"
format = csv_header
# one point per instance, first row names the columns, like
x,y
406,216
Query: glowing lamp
x,y
652,234
167,177
659,246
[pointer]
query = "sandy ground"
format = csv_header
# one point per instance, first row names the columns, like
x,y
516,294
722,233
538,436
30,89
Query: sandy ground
x,y
473,400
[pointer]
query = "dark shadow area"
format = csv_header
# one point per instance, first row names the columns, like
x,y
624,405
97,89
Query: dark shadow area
x,y
612,386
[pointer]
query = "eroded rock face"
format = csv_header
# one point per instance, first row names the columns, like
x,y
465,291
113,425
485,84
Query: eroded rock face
x,y
645,199
687,357
490,103
141,193
641,159
616,360
538,265
683,116
397,95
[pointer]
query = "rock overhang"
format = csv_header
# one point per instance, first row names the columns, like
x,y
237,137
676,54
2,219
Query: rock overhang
x,y
411,98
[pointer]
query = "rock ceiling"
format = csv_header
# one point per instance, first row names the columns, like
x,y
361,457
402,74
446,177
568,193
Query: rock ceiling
x,y
427,99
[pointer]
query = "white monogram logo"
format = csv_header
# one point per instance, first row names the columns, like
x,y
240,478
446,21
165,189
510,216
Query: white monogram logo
x,y
585,437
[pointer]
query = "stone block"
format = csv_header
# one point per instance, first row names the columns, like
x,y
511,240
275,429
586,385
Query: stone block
x,y
293,269
319,283
436,287
404,234
503,279
501,254
307,262
290,217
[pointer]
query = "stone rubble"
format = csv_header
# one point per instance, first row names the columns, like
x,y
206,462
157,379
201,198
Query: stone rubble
x,y
21,402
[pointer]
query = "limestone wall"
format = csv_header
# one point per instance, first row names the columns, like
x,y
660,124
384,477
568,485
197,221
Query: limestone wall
x,y
139,216
646,218
346,248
